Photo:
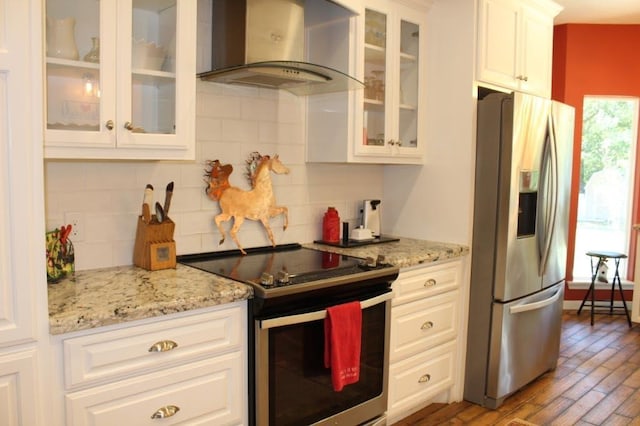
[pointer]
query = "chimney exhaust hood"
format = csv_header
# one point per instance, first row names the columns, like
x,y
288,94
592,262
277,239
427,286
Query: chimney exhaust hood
x,y
261,43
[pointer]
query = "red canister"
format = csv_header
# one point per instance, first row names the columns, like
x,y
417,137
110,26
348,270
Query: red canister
x,y
331,226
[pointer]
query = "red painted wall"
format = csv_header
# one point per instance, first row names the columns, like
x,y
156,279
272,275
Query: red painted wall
x,y
594,60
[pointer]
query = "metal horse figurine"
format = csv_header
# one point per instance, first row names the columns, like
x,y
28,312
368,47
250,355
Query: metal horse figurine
x,y
258,203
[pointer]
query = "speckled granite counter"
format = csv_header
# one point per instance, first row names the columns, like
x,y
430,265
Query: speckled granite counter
x,y
101,297
404,253
108,296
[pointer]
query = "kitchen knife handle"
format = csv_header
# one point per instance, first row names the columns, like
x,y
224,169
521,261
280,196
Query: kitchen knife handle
x,y
146,213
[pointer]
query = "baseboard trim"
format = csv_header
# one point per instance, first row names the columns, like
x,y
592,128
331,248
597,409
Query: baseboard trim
x,y
584,285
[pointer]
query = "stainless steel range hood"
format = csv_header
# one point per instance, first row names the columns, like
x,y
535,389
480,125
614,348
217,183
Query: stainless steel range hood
x,y
261,43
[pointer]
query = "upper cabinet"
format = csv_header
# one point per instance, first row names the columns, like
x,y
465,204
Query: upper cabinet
x,y
120,79
382,122
515,44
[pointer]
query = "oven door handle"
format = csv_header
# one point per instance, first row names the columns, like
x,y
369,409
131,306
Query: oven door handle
x,y
319,315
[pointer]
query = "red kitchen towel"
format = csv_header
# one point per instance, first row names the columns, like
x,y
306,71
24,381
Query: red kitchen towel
x,y
342,342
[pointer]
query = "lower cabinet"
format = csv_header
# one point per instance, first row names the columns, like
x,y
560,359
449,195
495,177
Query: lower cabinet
x,y
178,369
207,392
18,388
426,338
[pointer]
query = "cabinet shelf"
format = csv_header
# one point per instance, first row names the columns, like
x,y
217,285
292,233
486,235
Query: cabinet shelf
x,y
57,63
374,104
375,54
408,58
408,107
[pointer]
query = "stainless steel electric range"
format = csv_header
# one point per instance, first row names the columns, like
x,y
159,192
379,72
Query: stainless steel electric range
x,y
293,287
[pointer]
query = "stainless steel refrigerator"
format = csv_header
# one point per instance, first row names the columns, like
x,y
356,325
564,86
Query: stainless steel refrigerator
x,y
522,184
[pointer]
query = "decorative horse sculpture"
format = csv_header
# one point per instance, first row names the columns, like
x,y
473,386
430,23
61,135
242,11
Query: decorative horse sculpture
x,y
258,203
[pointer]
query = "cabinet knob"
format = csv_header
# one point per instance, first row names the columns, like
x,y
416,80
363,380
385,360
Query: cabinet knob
x,y
425,378
163,346
109,124
429,283
427,325
399,143
522,78
128,125
166,411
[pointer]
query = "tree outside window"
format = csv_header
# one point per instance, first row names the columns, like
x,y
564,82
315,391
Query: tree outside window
x,y
606,179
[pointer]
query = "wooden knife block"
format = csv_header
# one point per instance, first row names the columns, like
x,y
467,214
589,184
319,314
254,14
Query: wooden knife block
x,y
155,248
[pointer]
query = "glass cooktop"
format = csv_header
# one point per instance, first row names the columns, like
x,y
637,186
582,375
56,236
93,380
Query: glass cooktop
x,y
272,269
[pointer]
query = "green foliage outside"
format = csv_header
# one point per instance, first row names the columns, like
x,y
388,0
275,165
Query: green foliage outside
x,y
606,136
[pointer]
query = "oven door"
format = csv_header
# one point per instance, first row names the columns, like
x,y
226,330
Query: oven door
x,y
294,388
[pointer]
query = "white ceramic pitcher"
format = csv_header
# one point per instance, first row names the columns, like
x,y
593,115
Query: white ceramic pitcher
x,y
61,41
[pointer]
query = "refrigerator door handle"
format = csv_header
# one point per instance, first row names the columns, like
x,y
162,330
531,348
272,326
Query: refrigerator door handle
x,y
535,305
549,184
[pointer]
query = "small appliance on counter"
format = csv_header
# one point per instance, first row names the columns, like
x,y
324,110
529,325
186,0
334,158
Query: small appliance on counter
x,y
371,216
365,234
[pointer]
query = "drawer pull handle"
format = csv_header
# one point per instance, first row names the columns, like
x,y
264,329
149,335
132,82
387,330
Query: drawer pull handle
x,y
166,411
425,379
430,282
427,325
163,346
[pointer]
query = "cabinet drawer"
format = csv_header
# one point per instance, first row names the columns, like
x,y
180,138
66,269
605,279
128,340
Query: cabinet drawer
x,y
419,283
416,379
205,392
423,324
111,355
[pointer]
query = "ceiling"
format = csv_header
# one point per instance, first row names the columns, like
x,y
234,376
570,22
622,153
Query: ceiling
x,y
599,12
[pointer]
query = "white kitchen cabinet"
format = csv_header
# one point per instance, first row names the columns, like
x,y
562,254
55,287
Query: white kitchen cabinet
x,y
188,368
22,271
515,44
382,122
135,99
426,337
18,383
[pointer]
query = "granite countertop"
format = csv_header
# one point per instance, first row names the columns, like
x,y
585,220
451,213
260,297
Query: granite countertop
x,y
404,253
99,297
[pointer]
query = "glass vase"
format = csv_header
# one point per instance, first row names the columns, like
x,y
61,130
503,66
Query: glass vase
x,y
94,53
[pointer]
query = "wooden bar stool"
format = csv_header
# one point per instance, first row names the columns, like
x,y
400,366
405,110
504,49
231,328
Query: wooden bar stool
x,y
602,257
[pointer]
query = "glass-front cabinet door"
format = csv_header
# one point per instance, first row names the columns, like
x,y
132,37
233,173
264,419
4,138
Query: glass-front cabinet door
x,y
120,79
375,136
393,89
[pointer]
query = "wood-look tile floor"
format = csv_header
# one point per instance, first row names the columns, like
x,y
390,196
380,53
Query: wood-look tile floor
x,y
596,382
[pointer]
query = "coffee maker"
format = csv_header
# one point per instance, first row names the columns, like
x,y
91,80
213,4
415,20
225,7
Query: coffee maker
x,y
371,216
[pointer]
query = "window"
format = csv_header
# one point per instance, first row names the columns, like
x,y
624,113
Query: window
x,y
609,130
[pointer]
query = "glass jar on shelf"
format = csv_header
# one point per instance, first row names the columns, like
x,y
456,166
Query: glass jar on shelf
x,y
94,54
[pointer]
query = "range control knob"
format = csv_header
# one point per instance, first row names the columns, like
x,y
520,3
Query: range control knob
x,y
266,279
370,262
283,277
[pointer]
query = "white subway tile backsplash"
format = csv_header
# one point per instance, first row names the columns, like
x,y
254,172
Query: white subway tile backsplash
x,y
268,132
110,175
259,110
208,129
231,122
239,131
